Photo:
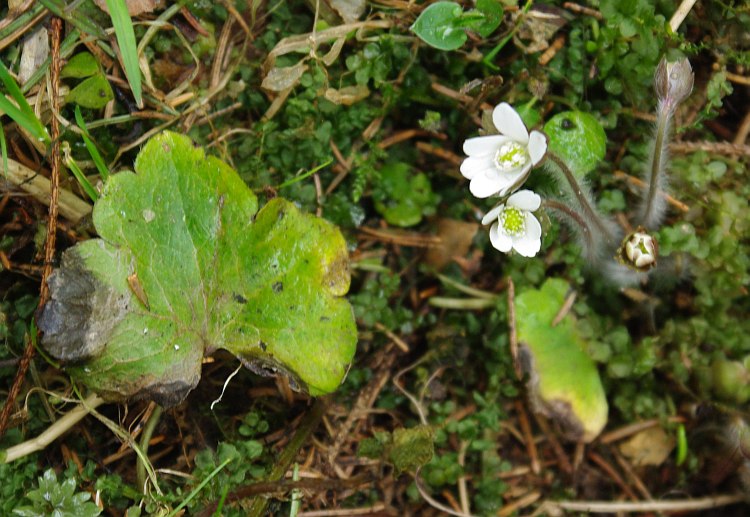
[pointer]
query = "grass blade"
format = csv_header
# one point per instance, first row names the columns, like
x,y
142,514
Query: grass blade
x,y
93,151
123,25
22,114
82,179
197,489
4,150
83,23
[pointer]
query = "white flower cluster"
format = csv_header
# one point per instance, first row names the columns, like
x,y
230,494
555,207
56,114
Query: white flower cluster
x,y
497,165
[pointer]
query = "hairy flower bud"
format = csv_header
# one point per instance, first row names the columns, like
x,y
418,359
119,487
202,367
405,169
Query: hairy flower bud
x,y
639,251
673,81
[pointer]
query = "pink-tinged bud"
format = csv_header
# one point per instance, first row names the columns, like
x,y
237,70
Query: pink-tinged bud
x,y
673,81
639,251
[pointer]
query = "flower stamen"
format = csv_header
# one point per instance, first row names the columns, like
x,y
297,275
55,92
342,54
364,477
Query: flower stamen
x,y
511,155
512,221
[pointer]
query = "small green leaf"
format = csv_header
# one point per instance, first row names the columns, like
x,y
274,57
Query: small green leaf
x,y
79,66
578,138
402,196
186,264
94,92
439,26
493,16
564,383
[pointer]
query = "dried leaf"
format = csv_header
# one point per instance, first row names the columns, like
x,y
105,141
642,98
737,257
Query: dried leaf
x,y
347,95
35,52
455,240
649,447
349,10
135,7
280,79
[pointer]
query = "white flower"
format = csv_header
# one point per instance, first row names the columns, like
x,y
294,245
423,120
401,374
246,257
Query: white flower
x,y
498,164
515,227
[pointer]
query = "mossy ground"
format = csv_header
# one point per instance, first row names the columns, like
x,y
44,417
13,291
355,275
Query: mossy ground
x,y
372,103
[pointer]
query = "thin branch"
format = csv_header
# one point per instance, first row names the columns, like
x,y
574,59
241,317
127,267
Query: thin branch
x,y
678,505
49,245
54,431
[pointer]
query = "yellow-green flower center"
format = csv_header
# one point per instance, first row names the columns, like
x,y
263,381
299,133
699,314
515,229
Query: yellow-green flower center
x,y
513,221
511,155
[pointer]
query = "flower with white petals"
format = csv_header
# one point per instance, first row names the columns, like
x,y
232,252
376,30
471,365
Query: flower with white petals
x,y
499,164
515,227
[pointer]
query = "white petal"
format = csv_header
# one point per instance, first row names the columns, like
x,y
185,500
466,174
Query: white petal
x,y
533,228
499,240
486,185
537,146
492,214
525,200
484,145
509,122
526,246
474,165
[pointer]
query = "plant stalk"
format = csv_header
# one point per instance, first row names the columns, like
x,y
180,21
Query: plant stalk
x,y
583,201
657,161
287,456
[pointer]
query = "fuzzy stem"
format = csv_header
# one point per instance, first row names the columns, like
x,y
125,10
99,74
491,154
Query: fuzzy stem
x,y
586,207
657,160
575,216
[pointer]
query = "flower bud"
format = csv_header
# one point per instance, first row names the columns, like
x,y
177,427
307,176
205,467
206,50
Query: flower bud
x,y
639,251
673,81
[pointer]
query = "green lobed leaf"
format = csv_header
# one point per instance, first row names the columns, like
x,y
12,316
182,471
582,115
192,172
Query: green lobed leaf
x,y
578,138
187,264
94,92
438,26
564,383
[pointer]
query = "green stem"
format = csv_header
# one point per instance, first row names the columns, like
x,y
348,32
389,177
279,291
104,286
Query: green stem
x,y
657,161
583,201
287,456
148,432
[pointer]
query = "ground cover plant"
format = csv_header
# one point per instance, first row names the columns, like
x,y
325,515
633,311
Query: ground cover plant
x,y
334,257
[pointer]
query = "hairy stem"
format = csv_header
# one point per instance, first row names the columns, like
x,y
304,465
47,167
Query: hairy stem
x,y
589,211
565,209
657,162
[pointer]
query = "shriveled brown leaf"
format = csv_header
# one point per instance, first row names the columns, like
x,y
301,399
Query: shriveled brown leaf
x,y
135,7
280,79
649,447
455,241
349,10
347,95
35,52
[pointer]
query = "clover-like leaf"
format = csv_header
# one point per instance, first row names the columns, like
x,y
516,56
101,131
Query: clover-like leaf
x,y
578,138
186,264
564,383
